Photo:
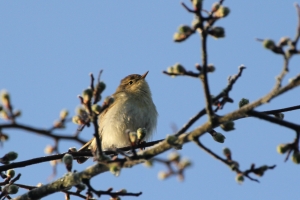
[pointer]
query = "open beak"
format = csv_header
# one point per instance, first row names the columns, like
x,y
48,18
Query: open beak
x,y
144,75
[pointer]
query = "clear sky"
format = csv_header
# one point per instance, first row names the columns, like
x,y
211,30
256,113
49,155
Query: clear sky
x,y
48,48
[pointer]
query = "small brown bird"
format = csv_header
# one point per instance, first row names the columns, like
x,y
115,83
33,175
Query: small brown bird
x,y
132,109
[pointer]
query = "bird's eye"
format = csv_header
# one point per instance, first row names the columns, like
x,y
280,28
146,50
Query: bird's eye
x,y
130,82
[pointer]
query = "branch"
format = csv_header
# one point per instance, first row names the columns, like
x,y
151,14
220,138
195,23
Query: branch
x,y
41,132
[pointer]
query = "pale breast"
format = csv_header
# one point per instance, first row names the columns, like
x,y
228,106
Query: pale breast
x,y
127,113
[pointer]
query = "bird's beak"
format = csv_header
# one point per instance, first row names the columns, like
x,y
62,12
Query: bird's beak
x,y
144,75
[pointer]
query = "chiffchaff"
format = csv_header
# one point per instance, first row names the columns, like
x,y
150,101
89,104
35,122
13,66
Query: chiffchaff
x,y
132,109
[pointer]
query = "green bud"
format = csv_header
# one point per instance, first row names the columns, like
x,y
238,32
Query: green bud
x,y
10,173
141,133
11,189
296,157
179,37
227,126
226,152
217,32
80,111
11,156
63,113
87,95
101,86
96,109
148,163
239,178
234,165
133,137
72,149
197,4
269,44
115,170
174,156
67,159
283,148
279,115
123,191
185,163
76,120
211,68
215,6
222,12
162,175
243,102
178,68
184,29
171,139
219,137
284,41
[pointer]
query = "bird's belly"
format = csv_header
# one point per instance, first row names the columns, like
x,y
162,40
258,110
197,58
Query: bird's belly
x,y
116,121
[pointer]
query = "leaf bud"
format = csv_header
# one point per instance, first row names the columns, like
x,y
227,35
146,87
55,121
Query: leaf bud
x,y
217,32
243,102
133,137
87,95
211,68
269,44
63,114
239,178
11,189
296,157
185,163
174,156
222,12
227,126
11,155
5,98
141,133
219,137
227,152
283,148
178,68
96,109
162,175
10,173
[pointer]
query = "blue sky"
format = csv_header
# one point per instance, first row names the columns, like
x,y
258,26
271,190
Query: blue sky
x,y
48,48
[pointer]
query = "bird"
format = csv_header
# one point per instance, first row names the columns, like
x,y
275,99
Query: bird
x,y
132,108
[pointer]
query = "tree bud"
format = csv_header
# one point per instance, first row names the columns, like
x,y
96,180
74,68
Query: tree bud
x,y
141,133
219,137
63,114
217,32
222,12
11,155
283,148
10,173
227,126
227,152
243,102
96,109
296,157
87,95
239,178
269,44
162,175
174,156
